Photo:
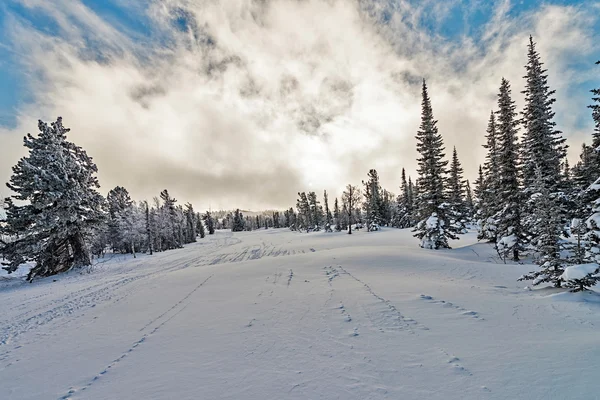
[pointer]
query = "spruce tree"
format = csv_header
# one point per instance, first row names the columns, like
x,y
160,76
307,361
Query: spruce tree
x,y
200,226
434,228
547,241
373,204
304,216
543,147
328,216
316,211
238,221
404,200
336,216
469,202
489,186
350,201
511,238
456,194
210,223
61,206
120,208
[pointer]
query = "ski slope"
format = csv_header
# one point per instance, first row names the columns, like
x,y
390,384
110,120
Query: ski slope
x,y
274,314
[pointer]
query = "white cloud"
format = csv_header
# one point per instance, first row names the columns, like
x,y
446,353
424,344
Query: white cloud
x,y
260,99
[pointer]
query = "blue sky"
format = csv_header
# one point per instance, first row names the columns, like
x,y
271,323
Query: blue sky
x,y
300,87
462,18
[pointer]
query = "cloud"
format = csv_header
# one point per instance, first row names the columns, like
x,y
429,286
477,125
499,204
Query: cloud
x,y
245,102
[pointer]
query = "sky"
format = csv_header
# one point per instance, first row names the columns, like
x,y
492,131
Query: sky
x,y
243,103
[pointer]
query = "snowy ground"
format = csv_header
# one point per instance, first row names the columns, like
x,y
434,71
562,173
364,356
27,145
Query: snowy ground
x,y
281,315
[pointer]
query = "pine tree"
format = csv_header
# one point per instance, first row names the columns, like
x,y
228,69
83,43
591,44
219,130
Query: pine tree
x,y
200,226
373,204
190,224
238,221
304,216
316,211
120,208
543,147
57,181
547,242
169,226
434,228
511,238
210,223
149,235
404,213
350,200
336,216
489,186
456,194
588,275
328,216
469,202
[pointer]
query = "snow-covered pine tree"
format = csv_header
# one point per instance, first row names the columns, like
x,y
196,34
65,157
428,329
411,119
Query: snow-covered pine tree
x,y
337,216
344,216
350,201
304,216
238,221
434,228
543,147
120,207
469,202
57,181
200,226
328,216
547,241
582,276
316,211
373,204
456,194
148,226
403,218
167,216
190,224
210,223
293,219
489,203
511,238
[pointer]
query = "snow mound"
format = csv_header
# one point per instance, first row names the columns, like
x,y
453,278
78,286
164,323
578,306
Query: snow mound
x,y
579,271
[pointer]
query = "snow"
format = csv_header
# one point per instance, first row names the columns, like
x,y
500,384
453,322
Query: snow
x,y
579,271
432,222
274,314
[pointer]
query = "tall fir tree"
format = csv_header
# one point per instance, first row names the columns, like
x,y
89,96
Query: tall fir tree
x,y
328,216
547,241
543,148
304,216
434,228
511,238
404,213
350,201
489,185
373,205
58,185
337,216
456,194
210,222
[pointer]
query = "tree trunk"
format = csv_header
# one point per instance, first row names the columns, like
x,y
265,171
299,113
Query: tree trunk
x,y
81,256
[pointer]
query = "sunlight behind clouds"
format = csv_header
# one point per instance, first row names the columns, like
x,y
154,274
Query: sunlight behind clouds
x,y
246,102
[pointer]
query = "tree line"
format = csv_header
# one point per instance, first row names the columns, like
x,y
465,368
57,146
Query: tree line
x,y
526,198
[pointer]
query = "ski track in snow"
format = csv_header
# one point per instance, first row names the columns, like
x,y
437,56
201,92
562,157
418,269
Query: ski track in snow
x,y
295,327
176,309
385,317
449,305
